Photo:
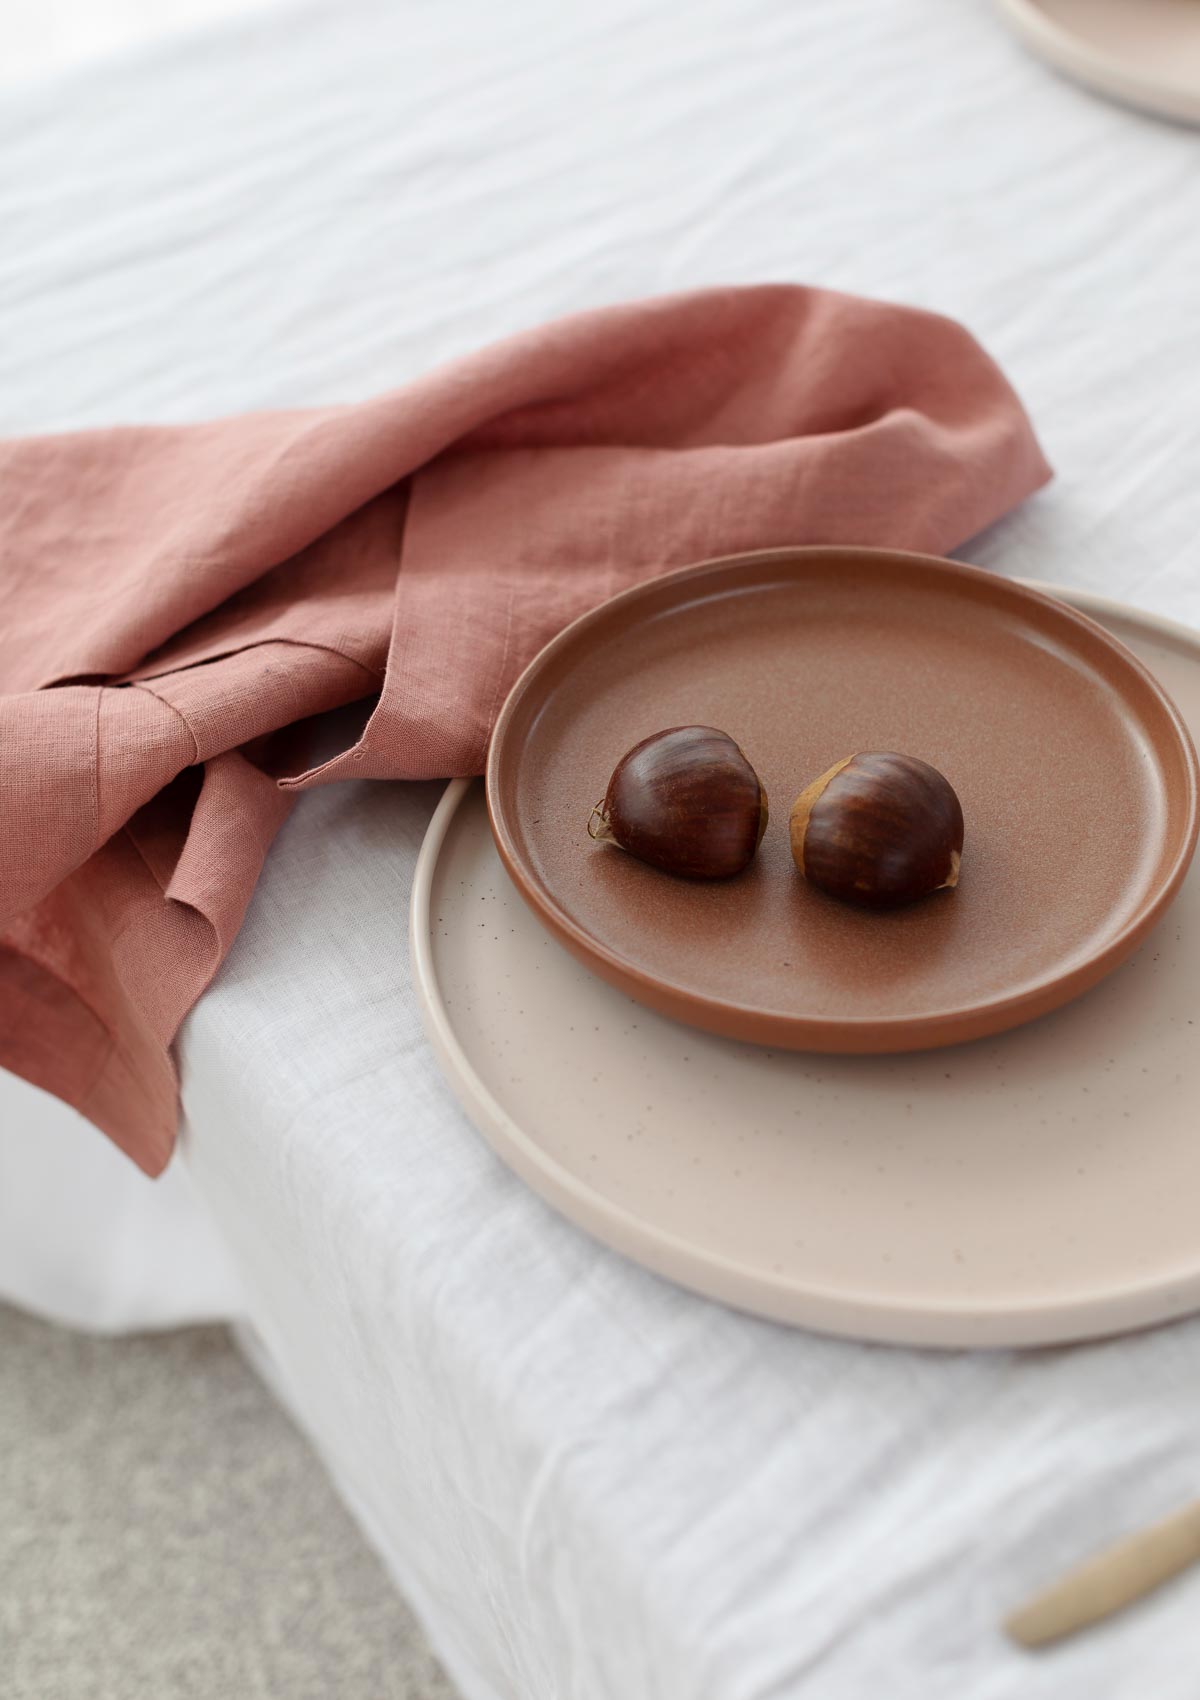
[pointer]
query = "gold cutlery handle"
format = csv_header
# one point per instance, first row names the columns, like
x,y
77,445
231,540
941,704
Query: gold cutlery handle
x,y
1110,1581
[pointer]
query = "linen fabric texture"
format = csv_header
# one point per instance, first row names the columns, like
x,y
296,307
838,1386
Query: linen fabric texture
x,y
181,602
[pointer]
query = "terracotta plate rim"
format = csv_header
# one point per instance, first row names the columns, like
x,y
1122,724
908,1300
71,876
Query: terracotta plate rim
x,y
849,1034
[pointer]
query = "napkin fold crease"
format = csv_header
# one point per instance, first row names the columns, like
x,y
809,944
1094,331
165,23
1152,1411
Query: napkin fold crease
x,y
177,597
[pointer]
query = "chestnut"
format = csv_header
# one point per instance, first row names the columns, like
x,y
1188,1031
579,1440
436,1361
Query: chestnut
x,y
685,800
878,829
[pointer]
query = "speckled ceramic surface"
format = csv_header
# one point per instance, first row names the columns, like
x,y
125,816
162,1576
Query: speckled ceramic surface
x,y
1076,776
1144,53
1036,1187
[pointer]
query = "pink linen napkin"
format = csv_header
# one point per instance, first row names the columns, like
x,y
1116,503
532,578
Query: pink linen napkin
x,y
176,598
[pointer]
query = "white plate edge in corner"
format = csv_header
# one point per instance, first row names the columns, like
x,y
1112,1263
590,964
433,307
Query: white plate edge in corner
x,y
1094,70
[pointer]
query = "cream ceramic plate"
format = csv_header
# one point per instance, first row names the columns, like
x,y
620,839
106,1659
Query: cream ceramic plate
x,y
1040,1186
1145,53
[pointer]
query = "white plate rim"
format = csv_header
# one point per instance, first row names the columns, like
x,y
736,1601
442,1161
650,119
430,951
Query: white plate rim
x,y
948,1323
1086,64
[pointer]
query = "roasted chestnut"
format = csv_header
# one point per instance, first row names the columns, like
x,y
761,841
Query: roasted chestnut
x,y
878,829
685,800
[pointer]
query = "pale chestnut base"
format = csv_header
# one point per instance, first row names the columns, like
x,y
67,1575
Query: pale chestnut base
x,y
804,805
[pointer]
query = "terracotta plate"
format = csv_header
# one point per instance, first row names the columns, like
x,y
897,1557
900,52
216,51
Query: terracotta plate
x,y
1076,774
1143,52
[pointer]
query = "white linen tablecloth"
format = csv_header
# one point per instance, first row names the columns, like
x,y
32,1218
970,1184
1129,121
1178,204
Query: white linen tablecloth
x,y
596,1486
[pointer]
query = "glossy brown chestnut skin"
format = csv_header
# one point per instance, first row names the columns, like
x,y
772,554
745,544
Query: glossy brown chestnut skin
x,y
878,829
685,800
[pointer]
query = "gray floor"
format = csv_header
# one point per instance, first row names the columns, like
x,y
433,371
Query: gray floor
x,y
166,1534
